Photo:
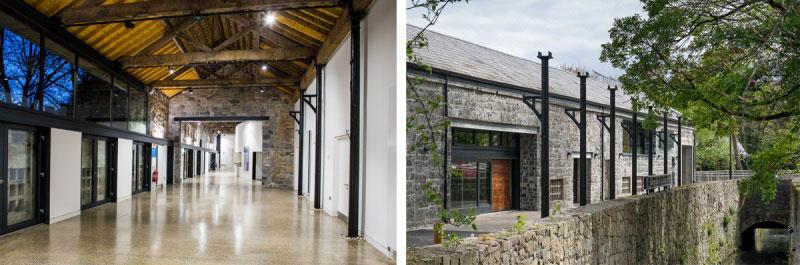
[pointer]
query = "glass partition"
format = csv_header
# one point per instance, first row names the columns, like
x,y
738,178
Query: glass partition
x,y
19,65
120,106
138,110
59,88
94,94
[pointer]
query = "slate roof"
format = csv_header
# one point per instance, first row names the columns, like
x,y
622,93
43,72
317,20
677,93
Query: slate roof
x,y
455,55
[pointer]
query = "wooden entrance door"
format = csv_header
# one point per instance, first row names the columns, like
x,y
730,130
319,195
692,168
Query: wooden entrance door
x,y
501,185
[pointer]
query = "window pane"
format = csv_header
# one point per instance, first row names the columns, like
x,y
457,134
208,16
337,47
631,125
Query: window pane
x,y
497,139
120,107
463,137
138,110
93,97
482,138
102,170
59,88
20,64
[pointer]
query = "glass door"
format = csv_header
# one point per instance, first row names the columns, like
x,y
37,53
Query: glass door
x,y
141,167
20,193
96,171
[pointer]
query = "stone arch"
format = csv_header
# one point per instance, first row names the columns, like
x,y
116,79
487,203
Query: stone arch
x,y
748,234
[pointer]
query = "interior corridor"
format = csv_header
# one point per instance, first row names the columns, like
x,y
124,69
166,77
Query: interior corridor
x,y
211,219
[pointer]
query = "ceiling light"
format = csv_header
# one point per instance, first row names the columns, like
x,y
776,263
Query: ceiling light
x,y
190,91
264,67
171,71
262,90
129,25
269,18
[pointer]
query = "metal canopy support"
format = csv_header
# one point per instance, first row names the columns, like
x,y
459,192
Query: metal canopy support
x,y
318,141
355,124
651,135
293,114
680,150
665,132
612,131
584,189
307,100
300,133
544,120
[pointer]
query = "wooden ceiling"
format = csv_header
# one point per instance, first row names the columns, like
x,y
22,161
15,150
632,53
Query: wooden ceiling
x,y
172,45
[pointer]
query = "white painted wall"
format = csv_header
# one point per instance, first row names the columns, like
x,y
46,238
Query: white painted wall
x,y
337,119
248,134
162,164
379,137
65,174
124,169
227,144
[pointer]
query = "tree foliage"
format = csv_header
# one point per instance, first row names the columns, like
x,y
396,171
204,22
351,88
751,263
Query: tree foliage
x,y
723,64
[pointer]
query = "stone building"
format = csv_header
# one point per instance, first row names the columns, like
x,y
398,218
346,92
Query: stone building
x,y
493,143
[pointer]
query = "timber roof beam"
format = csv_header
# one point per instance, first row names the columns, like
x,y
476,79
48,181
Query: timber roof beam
x,y
272,54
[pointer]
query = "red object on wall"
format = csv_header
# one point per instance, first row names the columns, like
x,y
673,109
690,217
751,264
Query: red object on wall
x,y
155,176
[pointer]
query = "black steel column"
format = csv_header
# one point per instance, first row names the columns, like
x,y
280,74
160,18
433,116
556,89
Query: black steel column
x,y
318,142
612,158
355,125
680,150
583,188
634,152
666,144
300,133
651,136
730,156
545,135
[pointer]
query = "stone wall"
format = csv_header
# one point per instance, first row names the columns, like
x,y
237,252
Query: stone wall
x,y
693,224
277,131
159,114
491,108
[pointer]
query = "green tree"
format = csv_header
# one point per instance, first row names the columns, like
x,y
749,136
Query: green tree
x,y
723,64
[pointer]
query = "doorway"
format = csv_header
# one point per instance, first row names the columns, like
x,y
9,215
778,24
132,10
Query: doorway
x,y
576,178
96,171
140,181
342,179
22,193
687,165
501,185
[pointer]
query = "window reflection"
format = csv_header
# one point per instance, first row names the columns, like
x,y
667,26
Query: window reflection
x,y
19,68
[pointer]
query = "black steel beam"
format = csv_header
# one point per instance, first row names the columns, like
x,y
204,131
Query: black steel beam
x,y
445,165
318,143
612,131
584,188
293,114
228,118
355,124
544,120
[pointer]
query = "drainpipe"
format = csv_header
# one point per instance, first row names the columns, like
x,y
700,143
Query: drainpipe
x,y
730,156
545,135
584,189
602,153
446,145
318,144
355,125
612,159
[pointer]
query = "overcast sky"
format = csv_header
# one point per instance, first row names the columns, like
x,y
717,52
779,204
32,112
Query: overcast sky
x,y
572,29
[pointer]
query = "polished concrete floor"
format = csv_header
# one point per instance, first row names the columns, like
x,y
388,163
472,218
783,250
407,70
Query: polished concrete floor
x,y
214,219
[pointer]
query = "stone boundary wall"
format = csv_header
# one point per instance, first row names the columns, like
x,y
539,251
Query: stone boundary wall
x,y
694,224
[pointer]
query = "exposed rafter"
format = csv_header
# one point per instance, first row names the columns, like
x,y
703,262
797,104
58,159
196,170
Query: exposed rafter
x,y
149,10
276,54
207,83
